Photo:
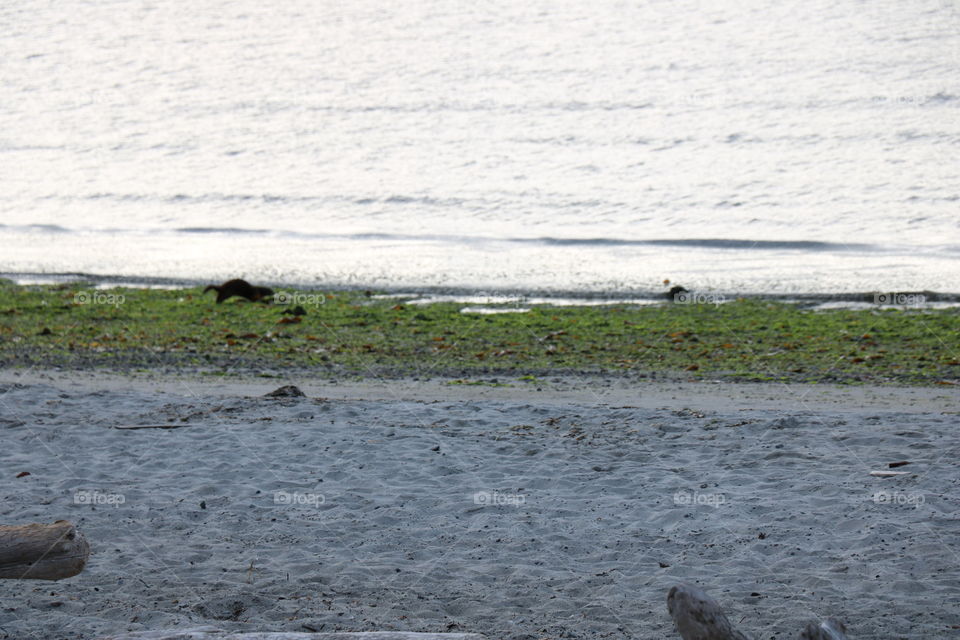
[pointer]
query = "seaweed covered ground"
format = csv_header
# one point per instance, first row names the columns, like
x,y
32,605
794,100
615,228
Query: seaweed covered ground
x,y
354,333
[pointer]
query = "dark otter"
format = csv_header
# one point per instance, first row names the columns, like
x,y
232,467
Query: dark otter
x,y
240,288
672,294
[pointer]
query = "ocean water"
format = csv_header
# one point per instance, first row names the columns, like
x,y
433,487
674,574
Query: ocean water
x,y
747,145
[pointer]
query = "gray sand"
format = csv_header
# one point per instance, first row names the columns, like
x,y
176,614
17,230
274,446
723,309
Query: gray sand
x,y
519,514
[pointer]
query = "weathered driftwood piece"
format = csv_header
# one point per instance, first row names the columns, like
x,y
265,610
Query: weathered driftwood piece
x,y
699,617
212,633
42,551
889,474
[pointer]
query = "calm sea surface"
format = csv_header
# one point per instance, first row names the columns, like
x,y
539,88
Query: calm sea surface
x,y
603,146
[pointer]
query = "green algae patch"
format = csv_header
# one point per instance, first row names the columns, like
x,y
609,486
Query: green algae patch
x,y
353,333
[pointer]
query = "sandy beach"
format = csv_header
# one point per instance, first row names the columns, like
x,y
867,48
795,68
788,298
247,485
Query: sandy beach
x,y
565,509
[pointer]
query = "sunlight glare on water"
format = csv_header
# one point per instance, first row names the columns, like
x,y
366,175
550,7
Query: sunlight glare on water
x,y
537,145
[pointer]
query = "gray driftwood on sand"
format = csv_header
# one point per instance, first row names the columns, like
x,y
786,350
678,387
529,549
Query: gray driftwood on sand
x,y
42,551
212,633
699,617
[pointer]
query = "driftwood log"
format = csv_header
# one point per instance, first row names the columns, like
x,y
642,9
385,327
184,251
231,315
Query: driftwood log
x,y
212,633
699,617
42,551
696,615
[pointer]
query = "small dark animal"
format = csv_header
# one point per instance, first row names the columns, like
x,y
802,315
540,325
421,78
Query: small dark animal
x,y
240,288
672,294
296,311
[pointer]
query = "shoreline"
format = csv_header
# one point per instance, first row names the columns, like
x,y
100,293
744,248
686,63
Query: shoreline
x,y
559,297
